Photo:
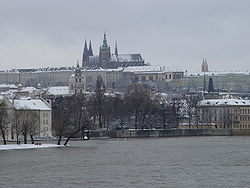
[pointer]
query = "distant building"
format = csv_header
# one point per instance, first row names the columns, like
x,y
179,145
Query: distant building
x,y
43,125
106,59
225,113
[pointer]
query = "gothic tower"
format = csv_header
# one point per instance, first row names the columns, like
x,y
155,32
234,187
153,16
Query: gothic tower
x,y
90,49
204,65
104,54
85,56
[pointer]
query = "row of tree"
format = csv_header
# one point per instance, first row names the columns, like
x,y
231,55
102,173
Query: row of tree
x,y
20,122
139,108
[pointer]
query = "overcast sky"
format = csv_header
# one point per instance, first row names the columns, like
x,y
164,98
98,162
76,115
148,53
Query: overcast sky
x,y
46,33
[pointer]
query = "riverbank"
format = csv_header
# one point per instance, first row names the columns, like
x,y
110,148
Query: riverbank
x,y
27,146
160,133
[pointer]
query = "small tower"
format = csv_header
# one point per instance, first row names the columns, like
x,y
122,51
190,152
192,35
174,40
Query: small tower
x,y
104,54
77,82
116,49
85,56
204,65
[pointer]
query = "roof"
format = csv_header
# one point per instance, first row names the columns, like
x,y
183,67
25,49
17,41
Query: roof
x,y
31,104
59,90
8,86
214,73
153,69
129,57
224,102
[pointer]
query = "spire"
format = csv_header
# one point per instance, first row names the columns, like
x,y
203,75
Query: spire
x,y
85,56
78,68
90,49
204,65
116,49
104,42
85,46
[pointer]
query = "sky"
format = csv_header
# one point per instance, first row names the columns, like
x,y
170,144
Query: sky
x,y
51,33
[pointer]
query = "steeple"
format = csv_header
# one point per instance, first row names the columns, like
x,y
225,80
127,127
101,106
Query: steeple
x,y
116,49
78,68
204,65
90,49
85,56
104,42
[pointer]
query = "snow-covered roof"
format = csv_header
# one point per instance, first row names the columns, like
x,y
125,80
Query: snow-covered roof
x,y
224,102
129,57
214,73
32,104
58,90
153,69
29,89
8,86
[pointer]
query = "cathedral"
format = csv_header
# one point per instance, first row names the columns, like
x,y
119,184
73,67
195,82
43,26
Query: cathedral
x,y
108,60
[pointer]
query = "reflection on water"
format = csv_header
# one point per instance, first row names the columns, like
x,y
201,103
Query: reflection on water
x,y
164,162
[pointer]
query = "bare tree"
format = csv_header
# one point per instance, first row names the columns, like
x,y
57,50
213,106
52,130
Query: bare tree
x,y
4,121
98,99
62,110
80,119
190,105
137,99
33,120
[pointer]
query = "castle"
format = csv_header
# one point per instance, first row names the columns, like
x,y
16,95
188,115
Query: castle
x,y
106,59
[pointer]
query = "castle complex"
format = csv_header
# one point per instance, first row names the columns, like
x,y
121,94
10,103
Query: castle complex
x,y
106,59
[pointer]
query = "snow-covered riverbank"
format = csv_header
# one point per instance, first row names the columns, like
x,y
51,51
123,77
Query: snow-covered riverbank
x,y
27,146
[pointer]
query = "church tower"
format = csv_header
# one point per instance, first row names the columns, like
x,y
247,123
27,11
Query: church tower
x,y
85,56
77,82
204,65
104,54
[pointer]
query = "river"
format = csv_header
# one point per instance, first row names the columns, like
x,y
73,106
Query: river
x,y
157,162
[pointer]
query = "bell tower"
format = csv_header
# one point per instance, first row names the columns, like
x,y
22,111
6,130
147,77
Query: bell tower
x,y
104,53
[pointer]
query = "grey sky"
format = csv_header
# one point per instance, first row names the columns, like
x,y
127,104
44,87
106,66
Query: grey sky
x,y
167,32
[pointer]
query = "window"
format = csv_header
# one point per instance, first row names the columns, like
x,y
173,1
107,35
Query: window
x,y
170,76
80,79
43,121
47,122
151,78
143,78
166,76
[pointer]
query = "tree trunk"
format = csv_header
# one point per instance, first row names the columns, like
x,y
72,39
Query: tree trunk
x,y
17,138
32,139
100,121
66,142
136,119
3,136
25,138
59,139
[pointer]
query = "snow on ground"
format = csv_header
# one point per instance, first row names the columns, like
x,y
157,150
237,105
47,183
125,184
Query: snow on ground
x,y
27,146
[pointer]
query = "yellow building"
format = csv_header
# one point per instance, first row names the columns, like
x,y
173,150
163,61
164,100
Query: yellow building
x,y
225,113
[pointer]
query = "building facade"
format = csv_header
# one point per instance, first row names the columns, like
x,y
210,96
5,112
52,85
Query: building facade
x,y
225,113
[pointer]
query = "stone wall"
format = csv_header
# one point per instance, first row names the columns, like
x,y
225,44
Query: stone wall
x,y
161,133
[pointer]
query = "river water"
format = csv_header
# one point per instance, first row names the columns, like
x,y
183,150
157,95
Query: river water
x,y
157,162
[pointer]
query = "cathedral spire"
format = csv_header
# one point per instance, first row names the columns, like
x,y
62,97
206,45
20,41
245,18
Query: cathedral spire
x,y
85,56
116,49
85,46
90,49
104,42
